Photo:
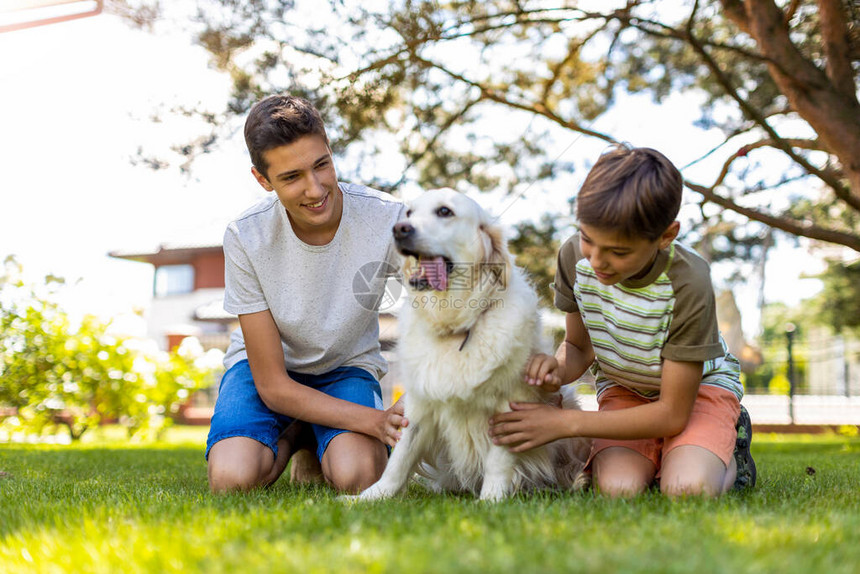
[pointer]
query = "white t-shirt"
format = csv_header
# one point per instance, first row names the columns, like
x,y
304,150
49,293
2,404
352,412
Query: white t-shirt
x,y
324,298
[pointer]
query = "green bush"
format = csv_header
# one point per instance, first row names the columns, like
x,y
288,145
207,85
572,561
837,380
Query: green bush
x,y
56,372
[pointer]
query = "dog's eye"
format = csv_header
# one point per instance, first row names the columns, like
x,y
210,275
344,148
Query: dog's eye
x,y
408,213
444,212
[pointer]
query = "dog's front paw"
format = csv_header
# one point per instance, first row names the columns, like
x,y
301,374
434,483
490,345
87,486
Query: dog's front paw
x,y
493,496
494,492
372,493
376,492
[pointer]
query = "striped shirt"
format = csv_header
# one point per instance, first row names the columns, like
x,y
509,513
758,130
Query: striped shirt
x,y
670,313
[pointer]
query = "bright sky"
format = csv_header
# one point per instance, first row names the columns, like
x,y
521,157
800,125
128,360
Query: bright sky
x,y
77,98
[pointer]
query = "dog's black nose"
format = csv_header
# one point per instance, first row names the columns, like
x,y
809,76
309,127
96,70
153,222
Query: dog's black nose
x,y
403,230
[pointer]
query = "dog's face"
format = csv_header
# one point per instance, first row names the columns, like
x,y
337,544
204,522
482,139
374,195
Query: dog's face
x,y
446,233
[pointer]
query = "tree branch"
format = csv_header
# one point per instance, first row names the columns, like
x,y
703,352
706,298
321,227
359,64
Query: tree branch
x,y
519,14
744,150
841,191
413,160
532,108
833,114
791,11
653,28
735,11
573,52
834,31
692,19
790,226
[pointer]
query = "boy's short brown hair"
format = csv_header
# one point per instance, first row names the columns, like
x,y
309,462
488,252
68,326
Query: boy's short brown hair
x,y
278,120
636,191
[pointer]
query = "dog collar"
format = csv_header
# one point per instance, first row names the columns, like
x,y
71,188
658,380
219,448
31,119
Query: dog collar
x,y
463,344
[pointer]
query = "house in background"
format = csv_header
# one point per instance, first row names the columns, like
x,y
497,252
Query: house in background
x,y
187,300
187,294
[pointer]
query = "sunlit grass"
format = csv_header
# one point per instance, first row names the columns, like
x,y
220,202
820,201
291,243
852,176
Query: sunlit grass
x,y
109,506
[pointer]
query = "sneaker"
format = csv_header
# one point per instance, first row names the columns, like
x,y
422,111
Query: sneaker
x,y
746,477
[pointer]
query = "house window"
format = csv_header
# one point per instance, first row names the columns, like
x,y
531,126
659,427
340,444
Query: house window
x,y
174,280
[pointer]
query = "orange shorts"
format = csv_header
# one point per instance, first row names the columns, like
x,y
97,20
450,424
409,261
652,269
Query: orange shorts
x,y
711,425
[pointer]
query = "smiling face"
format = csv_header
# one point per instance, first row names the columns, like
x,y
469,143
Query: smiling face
x,y
302,175
616,258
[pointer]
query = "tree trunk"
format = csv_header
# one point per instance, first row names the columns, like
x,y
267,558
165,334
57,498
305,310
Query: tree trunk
x,y
824,100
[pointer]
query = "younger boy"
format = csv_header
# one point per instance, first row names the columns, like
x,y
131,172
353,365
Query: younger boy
x,y
307,348
641,313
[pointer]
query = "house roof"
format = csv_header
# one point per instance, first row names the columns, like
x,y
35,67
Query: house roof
x,y
168,253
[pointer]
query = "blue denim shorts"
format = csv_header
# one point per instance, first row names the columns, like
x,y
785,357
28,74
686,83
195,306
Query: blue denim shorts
x,y
239,410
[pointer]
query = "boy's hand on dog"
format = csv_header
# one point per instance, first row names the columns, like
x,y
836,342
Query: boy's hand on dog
x,y
394,421
542,371
527,426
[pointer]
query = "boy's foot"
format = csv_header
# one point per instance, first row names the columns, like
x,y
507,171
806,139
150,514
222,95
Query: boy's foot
x,y
304,466
746,476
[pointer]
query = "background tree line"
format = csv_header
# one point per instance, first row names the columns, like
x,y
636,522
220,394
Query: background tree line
x,y
59,371
430,80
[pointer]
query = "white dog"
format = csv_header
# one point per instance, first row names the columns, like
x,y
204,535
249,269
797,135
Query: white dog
x,y
466,336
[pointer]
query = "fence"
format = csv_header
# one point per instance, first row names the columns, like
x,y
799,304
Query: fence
x,y
825,370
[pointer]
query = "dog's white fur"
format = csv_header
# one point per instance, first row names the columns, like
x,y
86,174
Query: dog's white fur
x,y
462,357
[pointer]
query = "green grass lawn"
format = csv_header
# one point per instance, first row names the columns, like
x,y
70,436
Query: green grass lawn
x,y
107,506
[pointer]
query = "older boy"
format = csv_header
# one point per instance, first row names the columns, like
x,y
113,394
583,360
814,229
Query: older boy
x,y
641,313
307,348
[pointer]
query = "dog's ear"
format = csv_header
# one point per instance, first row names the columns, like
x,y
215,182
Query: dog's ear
x,y
497,260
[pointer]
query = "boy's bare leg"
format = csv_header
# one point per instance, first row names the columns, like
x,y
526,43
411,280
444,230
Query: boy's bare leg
x,y
620,471
693,470
242,463
353,461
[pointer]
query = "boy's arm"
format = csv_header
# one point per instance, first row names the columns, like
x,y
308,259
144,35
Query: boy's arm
x,y
284,395
575,354
530,425
666,416
572,358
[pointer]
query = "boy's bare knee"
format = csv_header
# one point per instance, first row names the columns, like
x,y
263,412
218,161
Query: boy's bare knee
x,y
353,462
692,471
621,472
691,482
693,486
620,487
356,475
229,478
240,463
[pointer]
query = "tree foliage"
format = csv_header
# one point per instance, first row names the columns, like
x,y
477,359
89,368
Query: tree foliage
x,y
536,246
839,301
54,371
779,79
